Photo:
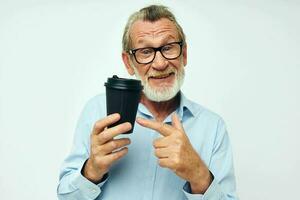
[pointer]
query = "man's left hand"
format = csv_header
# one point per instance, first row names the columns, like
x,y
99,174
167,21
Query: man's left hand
x,y
174,151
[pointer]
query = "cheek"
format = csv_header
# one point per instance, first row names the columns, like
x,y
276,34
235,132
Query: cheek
x,y
140,69
176,63
143,72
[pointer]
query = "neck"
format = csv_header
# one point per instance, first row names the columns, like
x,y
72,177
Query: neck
x,y
160,110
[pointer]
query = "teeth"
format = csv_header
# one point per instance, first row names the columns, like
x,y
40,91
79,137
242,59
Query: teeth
x,y
162,76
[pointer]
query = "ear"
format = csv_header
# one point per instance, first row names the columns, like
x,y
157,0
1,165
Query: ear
x,y
184,53
126,61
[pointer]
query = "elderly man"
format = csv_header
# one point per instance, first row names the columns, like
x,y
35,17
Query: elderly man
x,y
178,150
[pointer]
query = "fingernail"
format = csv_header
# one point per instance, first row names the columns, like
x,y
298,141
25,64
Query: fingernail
x,y
138,119
129,125
128,142
115,115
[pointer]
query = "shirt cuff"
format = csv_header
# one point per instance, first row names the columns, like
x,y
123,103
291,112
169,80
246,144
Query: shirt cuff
x,y
188,193
86,187
213,192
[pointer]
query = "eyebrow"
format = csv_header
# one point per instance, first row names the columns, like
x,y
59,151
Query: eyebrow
x,y
165,40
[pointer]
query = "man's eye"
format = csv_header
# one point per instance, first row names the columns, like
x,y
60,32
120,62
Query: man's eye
x,y
167,48
146,51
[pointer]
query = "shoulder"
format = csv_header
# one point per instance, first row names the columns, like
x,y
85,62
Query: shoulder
x,y
96,101
203,113
95,107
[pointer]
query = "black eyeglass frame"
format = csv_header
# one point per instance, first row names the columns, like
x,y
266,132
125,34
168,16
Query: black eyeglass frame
x,y
133,51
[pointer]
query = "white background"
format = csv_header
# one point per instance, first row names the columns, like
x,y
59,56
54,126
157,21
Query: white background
x,y
243,63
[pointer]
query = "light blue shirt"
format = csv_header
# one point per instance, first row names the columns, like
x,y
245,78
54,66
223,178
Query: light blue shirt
x,y
137,176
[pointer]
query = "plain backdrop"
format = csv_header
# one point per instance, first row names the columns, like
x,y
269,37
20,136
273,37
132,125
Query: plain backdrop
x,y
243,63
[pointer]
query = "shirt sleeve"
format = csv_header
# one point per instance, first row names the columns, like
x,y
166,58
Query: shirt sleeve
x,y
76,186
72,184
223,186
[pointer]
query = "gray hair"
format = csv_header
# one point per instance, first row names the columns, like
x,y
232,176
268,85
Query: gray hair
x,y
151,13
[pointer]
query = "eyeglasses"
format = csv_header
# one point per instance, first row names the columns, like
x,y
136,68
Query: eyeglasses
x,y
146,55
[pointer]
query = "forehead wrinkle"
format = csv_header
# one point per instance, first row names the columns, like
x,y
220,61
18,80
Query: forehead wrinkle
x,y
154,34
158,31
152,30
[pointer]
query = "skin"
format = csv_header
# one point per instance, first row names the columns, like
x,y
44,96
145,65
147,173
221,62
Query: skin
x,y
173,149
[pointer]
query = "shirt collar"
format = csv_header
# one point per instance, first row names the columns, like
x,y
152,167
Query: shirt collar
x,y
185,109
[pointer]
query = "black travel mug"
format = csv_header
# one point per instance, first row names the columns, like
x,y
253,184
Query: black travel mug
x,y
123,96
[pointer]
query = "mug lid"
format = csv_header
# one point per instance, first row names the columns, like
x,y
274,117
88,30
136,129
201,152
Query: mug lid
x,y
123,83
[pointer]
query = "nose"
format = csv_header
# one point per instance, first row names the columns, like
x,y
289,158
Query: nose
x,y
159,63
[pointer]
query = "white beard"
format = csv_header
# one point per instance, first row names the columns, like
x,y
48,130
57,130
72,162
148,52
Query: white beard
x,y
162,93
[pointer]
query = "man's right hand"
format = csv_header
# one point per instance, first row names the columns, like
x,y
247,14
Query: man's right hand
x,y
104,149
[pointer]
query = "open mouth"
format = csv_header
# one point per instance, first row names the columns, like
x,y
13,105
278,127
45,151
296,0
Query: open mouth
x,y
162,76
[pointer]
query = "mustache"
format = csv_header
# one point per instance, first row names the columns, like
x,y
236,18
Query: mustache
x,y
169,70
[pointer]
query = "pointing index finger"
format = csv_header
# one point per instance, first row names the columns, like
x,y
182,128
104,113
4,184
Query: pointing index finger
x,y
162,128
176,122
